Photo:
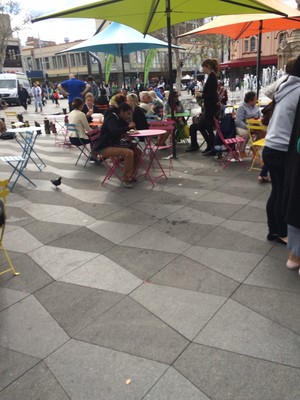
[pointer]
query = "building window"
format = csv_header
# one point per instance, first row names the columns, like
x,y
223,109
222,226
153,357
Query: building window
x,y
83,57
64,61
59,62
246,46
54,63
46,63
253,44
126,58
72,60
281,37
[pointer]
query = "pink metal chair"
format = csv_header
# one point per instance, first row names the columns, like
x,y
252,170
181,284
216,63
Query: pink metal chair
x,y
232,151
111,163
169,127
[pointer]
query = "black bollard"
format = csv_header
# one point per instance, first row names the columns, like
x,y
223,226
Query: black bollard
x,y
47,126
64,111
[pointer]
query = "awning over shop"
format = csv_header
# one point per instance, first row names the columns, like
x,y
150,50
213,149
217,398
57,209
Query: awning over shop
x,y
248,62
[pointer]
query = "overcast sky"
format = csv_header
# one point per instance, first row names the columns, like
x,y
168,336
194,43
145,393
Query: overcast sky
x,y
58,29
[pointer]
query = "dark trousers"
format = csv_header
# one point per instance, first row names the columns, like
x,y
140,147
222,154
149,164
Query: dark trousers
x,y
275,162
206,127
23,103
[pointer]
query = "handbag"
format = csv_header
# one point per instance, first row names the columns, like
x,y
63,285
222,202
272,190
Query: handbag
x,y
267,113
196,119
7,135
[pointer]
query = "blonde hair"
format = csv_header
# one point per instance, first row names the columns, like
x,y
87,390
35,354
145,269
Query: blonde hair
x,y
142,94
89,95
211,63
133,98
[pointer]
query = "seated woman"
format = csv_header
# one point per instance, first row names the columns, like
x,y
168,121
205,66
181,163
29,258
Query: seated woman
x,y
117,122
248,109
138,114
89,107
77,117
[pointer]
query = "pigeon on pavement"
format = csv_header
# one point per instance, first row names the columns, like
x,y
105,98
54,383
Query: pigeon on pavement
x,y
56,182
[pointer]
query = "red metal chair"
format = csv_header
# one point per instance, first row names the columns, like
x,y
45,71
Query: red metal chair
x,y
169,127
111,163
232,151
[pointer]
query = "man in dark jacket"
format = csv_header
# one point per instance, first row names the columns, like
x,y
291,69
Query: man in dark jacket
x,y
23,96
117,122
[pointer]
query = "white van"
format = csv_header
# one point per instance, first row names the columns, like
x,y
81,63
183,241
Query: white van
x,y
9,84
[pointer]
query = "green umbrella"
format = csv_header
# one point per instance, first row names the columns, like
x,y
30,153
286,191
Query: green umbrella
x,y
150,15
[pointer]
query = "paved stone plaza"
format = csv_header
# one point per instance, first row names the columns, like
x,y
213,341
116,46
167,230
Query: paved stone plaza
x,y
157,293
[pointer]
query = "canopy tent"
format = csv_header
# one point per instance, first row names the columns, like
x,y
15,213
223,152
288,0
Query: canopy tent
x,y
119,40
186,77
241,26
151,15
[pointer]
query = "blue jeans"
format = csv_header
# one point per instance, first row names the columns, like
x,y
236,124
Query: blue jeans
x,y
275,162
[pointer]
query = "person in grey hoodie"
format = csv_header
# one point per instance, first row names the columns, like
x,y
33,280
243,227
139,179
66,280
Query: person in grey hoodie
x,y
275,150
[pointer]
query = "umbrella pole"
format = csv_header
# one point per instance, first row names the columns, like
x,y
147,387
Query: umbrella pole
x,y
258,63
122,60
168,14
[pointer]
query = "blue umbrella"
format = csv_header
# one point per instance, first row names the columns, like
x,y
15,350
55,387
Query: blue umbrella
x,y
119,40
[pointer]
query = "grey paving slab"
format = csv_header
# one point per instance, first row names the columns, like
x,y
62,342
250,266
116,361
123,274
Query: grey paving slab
x,y
84,239
129,215
73,306
189,194
12,365
130,328
254,230
237,328
32,277
98,211
172,386
216,209
251,214
107,369
59,261
193,215
279,252
245,190
279,306
156,209
17,217
102,273
219,197
47,232
141,263
9,297
55,197
184,310
185,273
70,216
116,232
37,384
28,328
160,196
20,240
223,375
40,211
272,273
222,238
183,230
233,264
155,240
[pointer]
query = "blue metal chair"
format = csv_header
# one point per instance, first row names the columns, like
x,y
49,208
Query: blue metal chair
x,y
83,149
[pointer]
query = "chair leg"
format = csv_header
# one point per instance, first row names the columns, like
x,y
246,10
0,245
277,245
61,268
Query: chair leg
x,y
11,267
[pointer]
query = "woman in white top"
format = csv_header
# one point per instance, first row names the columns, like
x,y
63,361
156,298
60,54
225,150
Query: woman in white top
x,y
78,118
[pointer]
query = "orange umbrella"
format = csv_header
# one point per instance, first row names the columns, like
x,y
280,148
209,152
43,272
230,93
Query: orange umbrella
x,y
244,25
